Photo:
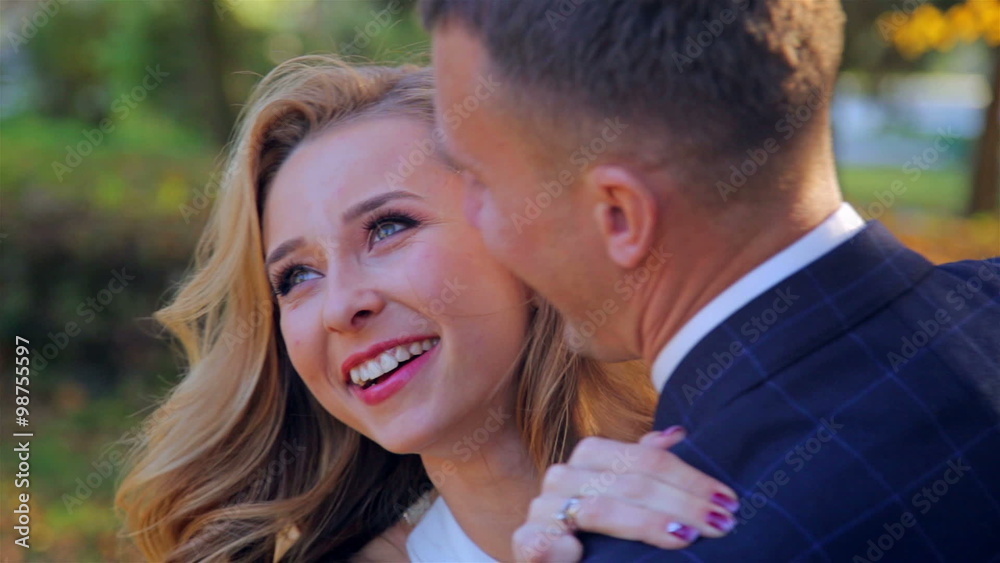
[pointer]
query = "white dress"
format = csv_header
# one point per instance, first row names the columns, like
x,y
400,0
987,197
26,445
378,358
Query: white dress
x,y
437,538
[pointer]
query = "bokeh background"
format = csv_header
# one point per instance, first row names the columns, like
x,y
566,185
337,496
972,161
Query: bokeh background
x,y
113,116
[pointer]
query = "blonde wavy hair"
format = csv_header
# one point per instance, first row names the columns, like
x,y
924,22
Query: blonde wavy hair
x,y
239,450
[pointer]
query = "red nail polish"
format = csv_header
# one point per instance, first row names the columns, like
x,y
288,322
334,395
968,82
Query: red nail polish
x,y
726,501
672,430
685,533
720,522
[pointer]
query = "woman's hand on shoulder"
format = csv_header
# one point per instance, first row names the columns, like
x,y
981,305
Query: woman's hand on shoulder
x,y
638,492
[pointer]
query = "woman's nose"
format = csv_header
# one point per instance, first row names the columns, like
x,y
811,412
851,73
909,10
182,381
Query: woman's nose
x,y
349,305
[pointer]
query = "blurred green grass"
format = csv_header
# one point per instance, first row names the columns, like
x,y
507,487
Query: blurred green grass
x,y
936,191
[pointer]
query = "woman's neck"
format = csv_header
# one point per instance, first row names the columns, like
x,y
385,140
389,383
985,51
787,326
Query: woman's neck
x,y
488,480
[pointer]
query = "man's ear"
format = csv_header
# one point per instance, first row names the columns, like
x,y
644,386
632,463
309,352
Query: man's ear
x,y
626,211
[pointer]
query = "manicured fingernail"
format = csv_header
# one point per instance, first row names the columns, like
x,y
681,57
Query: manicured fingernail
x,y
720,522
673,430
726,501
686,533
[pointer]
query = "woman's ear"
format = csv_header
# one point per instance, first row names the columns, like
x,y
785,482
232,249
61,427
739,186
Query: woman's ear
x,y
626,211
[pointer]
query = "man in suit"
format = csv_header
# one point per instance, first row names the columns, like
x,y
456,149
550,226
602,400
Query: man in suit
x,y
663,173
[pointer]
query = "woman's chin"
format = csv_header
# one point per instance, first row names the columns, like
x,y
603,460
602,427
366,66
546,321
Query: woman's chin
x,y
408,441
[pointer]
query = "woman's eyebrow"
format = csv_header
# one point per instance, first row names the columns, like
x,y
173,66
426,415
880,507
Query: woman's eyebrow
x,y
373,203
283,250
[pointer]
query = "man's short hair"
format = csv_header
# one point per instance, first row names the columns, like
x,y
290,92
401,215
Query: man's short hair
x,y
703,81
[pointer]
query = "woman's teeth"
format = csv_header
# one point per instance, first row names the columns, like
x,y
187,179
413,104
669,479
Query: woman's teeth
x,y
389,360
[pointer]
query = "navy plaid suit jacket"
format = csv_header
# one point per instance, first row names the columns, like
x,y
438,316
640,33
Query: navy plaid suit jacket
x,y
855,408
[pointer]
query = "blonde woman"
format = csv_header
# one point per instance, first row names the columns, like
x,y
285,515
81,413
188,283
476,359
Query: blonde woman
x,y
353,351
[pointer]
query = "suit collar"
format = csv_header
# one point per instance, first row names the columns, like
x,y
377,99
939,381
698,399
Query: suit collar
x,y
789,321
836,229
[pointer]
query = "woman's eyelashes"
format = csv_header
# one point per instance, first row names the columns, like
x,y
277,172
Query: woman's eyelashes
x,y
387,223
377,228
288,277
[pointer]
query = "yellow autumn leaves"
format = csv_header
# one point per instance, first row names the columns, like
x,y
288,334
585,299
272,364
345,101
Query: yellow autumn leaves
x,y
915,30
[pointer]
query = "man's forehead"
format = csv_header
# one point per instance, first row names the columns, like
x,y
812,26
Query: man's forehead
x,y
458,54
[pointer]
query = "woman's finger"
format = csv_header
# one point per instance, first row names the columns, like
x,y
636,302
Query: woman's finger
x,y
618,458
675,505
617,517
664,439
545,541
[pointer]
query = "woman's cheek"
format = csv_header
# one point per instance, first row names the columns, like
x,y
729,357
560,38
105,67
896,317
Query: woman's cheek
x,y
299,344
433,276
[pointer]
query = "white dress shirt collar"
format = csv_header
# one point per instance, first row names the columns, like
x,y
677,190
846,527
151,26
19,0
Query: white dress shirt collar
x,y
439,537
832,232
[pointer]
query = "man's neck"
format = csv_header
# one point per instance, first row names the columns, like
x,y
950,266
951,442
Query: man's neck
x,y
682,290
488,490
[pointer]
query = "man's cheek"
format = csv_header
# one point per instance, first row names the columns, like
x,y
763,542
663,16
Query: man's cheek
x,y
496,227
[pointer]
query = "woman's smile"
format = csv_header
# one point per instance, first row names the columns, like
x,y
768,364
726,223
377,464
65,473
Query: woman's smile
x,y
385,386
379,372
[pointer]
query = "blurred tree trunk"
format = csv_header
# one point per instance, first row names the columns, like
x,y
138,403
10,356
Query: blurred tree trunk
x,y
986,181
209,46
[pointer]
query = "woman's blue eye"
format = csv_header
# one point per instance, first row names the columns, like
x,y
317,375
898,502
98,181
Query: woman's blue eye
x,y
386,229
387,224
290,277
299,276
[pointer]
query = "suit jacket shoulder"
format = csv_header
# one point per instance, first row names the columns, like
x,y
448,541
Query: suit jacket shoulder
x,y
854,406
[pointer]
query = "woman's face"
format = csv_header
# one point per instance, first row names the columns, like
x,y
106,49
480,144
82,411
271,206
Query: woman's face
x,y
374,265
